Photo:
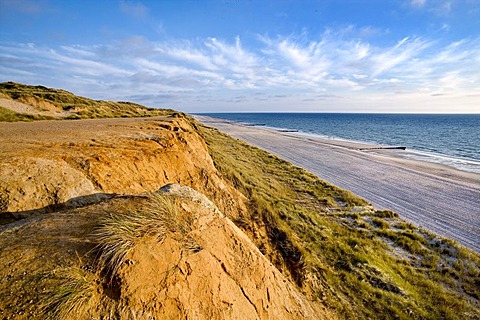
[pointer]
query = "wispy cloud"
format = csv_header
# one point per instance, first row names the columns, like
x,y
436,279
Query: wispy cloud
x,y
136,10
404,51
438,7
140,13
418,3
327,68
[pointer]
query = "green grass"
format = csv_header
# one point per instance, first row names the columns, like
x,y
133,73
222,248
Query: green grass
x,y
80,107
119,232
342,257
11,116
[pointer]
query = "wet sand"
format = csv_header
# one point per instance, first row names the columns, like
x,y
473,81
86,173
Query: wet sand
x,y
436,197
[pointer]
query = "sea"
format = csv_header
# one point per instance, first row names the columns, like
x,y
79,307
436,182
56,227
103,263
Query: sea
x,y
449,139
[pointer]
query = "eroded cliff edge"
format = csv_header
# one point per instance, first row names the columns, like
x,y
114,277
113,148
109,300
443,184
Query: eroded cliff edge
x,y
67,188
46,166
60,179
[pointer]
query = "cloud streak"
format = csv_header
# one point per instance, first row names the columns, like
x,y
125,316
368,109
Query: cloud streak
x,y
217,70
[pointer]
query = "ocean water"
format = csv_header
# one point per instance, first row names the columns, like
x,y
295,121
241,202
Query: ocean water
x,y
453,140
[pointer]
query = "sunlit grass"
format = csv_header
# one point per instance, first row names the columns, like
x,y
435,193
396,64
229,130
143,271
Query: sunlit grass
x,y
78,293
119,232
11,116
94,292
78,107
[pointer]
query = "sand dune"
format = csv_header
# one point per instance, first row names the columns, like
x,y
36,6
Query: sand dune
x,y
439,198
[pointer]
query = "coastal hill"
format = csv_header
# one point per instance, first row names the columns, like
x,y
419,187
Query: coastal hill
x,y
149,214
23,102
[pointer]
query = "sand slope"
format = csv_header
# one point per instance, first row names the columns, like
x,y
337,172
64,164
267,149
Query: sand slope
x,y
224,277
47,165
438,198
212,272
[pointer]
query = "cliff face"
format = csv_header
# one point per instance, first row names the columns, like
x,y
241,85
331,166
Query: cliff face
x,y
63,179
212,272
84,232
50,165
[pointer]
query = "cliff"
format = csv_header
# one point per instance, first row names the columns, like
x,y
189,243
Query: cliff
x,y
163,217
61,180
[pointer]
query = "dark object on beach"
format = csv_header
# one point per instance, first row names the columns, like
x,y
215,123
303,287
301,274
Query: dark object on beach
x,y
381,148
287,130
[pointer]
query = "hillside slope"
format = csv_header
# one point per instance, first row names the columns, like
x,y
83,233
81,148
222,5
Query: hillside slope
x,y
19,102
183,260
46,166
84,231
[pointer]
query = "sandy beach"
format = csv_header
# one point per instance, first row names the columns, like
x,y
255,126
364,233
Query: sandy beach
x,y
438,198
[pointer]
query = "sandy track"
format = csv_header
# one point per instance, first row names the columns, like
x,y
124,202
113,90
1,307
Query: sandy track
x,y
438,198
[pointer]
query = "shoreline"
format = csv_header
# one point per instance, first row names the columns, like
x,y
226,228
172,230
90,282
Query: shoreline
x,y
456,162
437,197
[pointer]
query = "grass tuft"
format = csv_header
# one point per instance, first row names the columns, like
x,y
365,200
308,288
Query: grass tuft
x,y
118,233
76,296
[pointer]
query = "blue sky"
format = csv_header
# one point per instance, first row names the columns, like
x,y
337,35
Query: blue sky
x,y
251,56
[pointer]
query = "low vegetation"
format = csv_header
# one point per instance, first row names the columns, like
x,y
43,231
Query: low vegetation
x,y
77,294
118,232
89,289
11,116
365,264
362,263
59,103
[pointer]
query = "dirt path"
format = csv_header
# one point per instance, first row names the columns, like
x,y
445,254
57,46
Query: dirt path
x,y
438,198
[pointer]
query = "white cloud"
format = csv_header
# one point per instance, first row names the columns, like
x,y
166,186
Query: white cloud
x,y
222,71
445,27
418,3
405,50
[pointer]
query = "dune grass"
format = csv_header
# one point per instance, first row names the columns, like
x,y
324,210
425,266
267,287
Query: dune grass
x,y
119,232
11,116
78,107
365,264
91,289
77,295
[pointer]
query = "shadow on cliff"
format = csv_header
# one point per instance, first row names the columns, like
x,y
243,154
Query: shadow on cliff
x,y
73,203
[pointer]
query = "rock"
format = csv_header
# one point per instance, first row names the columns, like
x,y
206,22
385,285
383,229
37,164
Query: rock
x,y
228,278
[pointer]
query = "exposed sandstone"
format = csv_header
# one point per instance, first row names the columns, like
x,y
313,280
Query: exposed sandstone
x,y
61,162
224,277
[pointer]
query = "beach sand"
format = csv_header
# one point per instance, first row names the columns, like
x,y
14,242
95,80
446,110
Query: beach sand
x,y
436,197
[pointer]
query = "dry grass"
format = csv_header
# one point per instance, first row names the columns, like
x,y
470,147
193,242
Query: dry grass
x,y
118,233
7,115
78,107
76,296
94,292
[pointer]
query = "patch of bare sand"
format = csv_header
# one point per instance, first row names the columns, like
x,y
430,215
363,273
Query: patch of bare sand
x,y
44,108
46,165
439,198
220,274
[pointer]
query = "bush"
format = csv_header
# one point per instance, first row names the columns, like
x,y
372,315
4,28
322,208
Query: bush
x,y
380,223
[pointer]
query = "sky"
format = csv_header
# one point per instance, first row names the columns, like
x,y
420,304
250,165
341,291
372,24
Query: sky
x,y
385,56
